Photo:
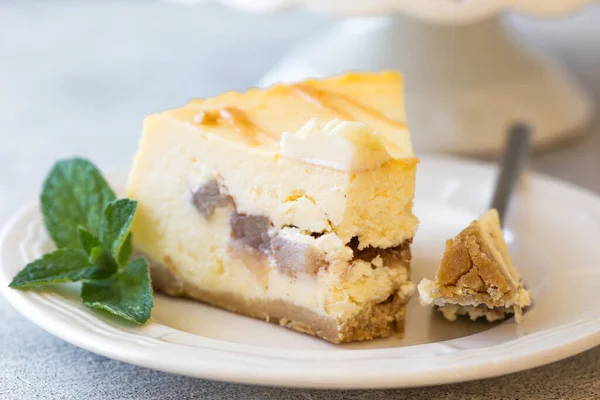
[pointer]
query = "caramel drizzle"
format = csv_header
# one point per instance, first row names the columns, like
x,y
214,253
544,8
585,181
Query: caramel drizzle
x,y
237,118
318,97
240,121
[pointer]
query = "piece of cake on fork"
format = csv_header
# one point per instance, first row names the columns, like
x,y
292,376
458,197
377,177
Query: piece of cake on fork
x,y
291,204
477,277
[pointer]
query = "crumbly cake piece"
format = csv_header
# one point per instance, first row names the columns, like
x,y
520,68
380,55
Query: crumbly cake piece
x,y
291,204
477,277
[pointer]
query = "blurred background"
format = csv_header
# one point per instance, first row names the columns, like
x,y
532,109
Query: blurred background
x,y
76,77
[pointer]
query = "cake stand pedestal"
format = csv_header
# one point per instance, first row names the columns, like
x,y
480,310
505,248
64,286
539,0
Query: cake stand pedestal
x,y
464,83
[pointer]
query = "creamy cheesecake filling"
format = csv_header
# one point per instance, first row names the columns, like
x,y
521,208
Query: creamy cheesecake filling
x,y
289,249
315,271
338,291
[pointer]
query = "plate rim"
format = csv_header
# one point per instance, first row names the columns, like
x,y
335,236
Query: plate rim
x,y
99,344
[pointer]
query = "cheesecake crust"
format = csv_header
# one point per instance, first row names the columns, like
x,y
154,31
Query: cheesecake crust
x,y
374,321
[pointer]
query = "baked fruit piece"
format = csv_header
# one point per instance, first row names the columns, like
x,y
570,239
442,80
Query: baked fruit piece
x,y
291,204
476,276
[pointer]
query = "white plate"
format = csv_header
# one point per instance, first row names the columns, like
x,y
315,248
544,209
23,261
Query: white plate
x,y
554,238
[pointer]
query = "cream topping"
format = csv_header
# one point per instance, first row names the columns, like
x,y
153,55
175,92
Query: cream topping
x,y
342,145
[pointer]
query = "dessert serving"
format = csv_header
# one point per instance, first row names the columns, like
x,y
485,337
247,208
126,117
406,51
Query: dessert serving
x,y
476,276
291,204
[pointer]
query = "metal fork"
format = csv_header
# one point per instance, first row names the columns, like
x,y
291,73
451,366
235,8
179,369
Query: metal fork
x,y
516,154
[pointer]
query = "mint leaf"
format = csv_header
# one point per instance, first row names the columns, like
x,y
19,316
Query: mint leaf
x,y
63,265
126,250
91,230
128,294
116,221
86,240
74,194
103,259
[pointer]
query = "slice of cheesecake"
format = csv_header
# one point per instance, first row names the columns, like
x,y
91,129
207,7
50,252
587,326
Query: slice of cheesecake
x,y
476,276
291,204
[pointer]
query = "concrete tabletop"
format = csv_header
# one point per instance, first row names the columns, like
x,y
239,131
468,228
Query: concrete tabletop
x,y
76,78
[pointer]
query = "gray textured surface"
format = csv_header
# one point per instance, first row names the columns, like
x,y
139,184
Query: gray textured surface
x,y
77,77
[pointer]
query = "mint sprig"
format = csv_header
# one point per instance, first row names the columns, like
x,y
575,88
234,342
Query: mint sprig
x,y
90,228
127,294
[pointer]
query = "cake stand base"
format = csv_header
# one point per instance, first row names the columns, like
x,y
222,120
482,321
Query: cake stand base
x,y
465,84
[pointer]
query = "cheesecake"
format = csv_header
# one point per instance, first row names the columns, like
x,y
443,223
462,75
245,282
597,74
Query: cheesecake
x,y
291,204
477,277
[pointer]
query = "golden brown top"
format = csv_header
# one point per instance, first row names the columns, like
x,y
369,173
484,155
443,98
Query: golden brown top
x,y
259,117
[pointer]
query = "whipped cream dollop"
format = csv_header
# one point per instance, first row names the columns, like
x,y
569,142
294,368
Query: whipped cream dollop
x,y
341,145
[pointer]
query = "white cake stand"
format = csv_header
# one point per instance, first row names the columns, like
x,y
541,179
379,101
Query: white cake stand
x,y
467,78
